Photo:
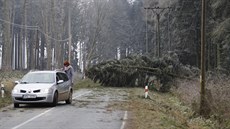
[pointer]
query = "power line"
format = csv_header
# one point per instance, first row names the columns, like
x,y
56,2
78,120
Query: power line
x,y
20,26
34,28
52,37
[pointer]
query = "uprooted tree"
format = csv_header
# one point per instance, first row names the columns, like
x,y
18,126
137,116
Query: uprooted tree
x,y
136,70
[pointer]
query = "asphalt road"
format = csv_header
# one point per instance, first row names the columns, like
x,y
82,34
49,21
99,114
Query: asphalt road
x,y
91,109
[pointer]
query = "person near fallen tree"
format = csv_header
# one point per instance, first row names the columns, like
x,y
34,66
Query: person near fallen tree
x,y
69,70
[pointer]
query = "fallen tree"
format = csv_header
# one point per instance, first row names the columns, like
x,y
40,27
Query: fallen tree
x,y
137,70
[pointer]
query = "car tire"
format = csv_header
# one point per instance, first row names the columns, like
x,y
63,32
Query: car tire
x,y
16,105
70,98
55,99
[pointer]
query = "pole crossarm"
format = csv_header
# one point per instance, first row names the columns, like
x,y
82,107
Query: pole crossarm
x,y
157,8
154,9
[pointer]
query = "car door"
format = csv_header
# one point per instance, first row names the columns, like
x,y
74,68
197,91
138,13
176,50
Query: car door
x,y
60,86
64,86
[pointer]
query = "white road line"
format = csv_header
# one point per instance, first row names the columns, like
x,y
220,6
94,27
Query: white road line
x,y
20,125
39,115
125,117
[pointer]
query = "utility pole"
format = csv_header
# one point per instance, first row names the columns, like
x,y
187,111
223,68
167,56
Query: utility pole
x,y
146,44
169,34
202,78
158,11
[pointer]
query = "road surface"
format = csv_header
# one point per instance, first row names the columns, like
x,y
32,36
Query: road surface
x,y
90,110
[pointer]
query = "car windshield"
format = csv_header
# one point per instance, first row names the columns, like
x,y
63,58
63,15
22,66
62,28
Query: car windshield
x,y
38,78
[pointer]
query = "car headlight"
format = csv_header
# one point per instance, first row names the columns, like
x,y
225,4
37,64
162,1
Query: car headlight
x,y
48,90
15,91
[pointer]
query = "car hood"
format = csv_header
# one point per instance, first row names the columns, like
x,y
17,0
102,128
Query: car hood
x,y
33,86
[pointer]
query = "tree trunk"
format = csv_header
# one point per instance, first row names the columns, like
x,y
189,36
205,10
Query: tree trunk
x,y
42,59
13,38
31,50
25,35
7,44
48,43
69,33
36,51
55,44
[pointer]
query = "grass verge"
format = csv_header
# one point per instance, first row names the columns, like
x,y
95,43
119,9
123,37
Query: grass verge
x,y
86,83
5,101
163,111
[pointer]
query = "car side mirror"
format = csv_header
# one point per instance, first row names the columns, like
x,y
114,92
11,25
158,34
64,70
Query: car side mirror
x,y
60,81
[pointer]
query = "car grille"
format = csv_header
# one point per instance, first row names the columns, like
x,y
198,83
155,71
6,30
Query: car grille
x,y
34,91
30,99
22,91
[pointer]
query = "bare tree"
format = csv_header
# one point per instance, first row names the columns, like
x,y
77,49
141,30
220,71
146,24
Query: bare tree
x,y
7,44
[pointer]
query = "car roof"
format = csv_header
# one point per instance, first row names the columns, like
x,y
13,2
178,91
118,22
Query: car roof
x,y
45,71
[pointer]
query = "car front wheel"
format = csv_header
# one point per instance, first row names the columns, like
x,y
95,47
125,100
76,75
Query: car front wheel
x,y
55,99
16,105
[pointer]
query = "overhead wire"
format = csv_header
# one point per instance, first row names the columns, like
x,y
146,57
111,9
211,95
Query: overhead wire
x,y
35,28
18,25
52,37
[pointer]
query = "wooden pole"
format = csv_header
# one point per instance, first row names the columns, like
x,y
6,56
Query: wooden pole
x,y
202,78
158,13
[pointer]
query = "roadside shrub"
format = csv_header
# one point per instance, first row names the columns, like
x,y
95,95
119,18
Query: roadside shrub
x,y
217,96
8,79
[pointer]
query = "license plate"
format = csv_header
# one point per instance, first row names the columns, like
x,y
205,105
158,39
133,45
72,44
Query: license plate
x,y
29,96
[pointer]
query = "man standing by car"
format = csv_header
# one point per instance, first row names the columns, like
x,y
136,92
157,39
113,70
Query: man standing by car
x,y
69,71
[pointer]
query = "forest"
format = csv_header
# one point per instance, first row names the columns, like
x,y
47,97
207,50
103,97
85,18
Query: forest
x,y
127,38
42,34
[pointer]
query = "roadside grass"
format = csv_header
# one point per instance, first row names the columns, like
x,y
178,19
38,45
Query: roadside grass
x,y
7,100
163,111
7,79
217,96
86,83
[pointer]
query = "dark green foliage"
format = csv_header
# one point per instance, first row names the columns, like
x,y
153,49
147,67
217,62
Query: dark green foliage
x,y
133,71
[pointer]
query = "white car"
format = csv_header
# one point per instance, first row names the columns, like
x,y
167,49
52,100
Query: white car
x,y
43,87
